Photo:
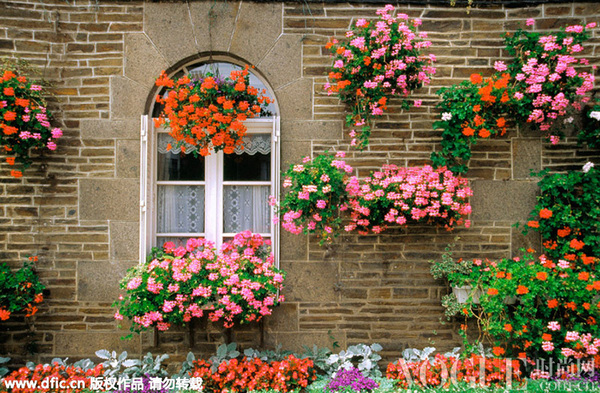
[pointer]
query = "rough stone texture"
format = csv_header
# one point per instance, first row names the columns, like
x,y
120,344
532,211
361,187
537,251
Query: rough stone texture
x,y
252,41
143,61
128,159
108,199
124,240
99,281
527,157
497,200
79,210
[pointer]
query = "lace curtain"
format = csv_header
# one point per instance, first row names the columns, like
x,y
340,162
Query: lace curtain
x,y
246,208
180,209
253,143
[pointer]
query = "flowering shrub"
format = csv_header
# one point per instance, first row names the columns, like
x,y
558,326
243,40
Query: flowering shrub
x,y
439,371
590,132
472,110
351,380
209,112
566,214
315,193
19,291
255,374
541,86
546,83
63,376
377,61
400,195
238,283
24,120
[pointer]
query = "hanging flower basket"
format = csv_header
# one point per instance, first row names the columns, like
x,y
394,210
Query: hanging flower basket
x,y
378,60
209,112
24,120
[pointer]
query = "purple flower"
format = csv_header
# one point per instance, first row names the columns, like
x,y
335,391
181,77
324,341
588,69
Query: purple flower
x,y
351,378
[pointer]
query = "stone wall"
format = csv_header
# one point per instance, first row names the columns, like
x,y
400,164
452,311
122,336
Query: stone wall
x,y
78,208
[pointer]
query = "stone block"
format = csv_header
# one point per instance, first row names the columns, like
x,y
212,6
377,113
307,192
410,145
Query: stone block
x,y
531,240
283,63
311,281
99,280
527,156
127,98
169,27
250,41
213,24
502,200
295,130
105,129
143,62
109,199
86,344
296,341
295,100
292,247
128,159
292,153
283,319
124,240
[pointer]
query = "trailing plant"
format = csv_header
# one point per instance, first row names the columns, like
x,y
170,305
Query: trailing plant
x,y
20,290
544,83
590,131
402,195
24,119
315,193
566,214
376,61
208,112
238,283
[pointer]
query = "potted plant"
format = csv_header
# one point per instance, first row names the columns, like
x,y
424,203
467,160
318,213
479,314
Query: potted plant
x,y
236,284
207,113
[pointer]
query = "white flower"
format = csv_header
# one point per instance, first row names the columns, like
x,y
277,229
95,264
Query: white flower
x,y
446,116
587,167
595,115
569,120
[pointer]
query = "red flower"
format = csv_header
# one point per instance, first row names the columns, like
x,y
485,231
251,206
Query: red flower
x,y
533,224
476,78
522,290
564,232
545,213
4,314
552,303
508,327
492,291
542,276
498,351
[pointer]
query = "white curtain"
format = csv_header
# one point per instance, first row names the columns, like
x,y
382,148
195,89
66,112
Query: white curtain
x,y
180,209
246,208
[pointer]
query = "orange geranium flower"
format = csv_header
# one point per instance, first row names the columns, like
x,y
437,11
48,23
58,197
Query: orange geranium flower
x,y
476,78
492,291
542,276
468,131
15,173
498,351
501,122
564,232
533,224
576,244
10,160
484,133
508,327
476,108
501,274
4,314
522,290
583,276
571,305
552,303
545,213
547,337
9,91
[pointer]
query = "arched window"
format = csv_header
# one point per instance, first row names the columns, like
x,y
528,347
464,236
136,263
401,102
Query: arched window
x,y
216,196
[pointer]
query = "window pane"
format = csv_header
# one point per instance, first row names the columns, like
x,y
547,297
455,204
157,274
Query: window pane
x,y
175,165
178,241
246,208
251,163
180,209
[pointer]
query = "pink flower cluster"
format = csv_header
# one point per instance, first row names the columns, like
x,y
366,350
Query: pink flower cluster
x,y
239,282
548,83
380,59
585,345
315,191
399,195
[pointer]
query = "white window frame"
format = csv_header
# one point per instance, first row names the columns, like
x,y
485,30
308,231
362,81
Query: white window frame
x,y
213,187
